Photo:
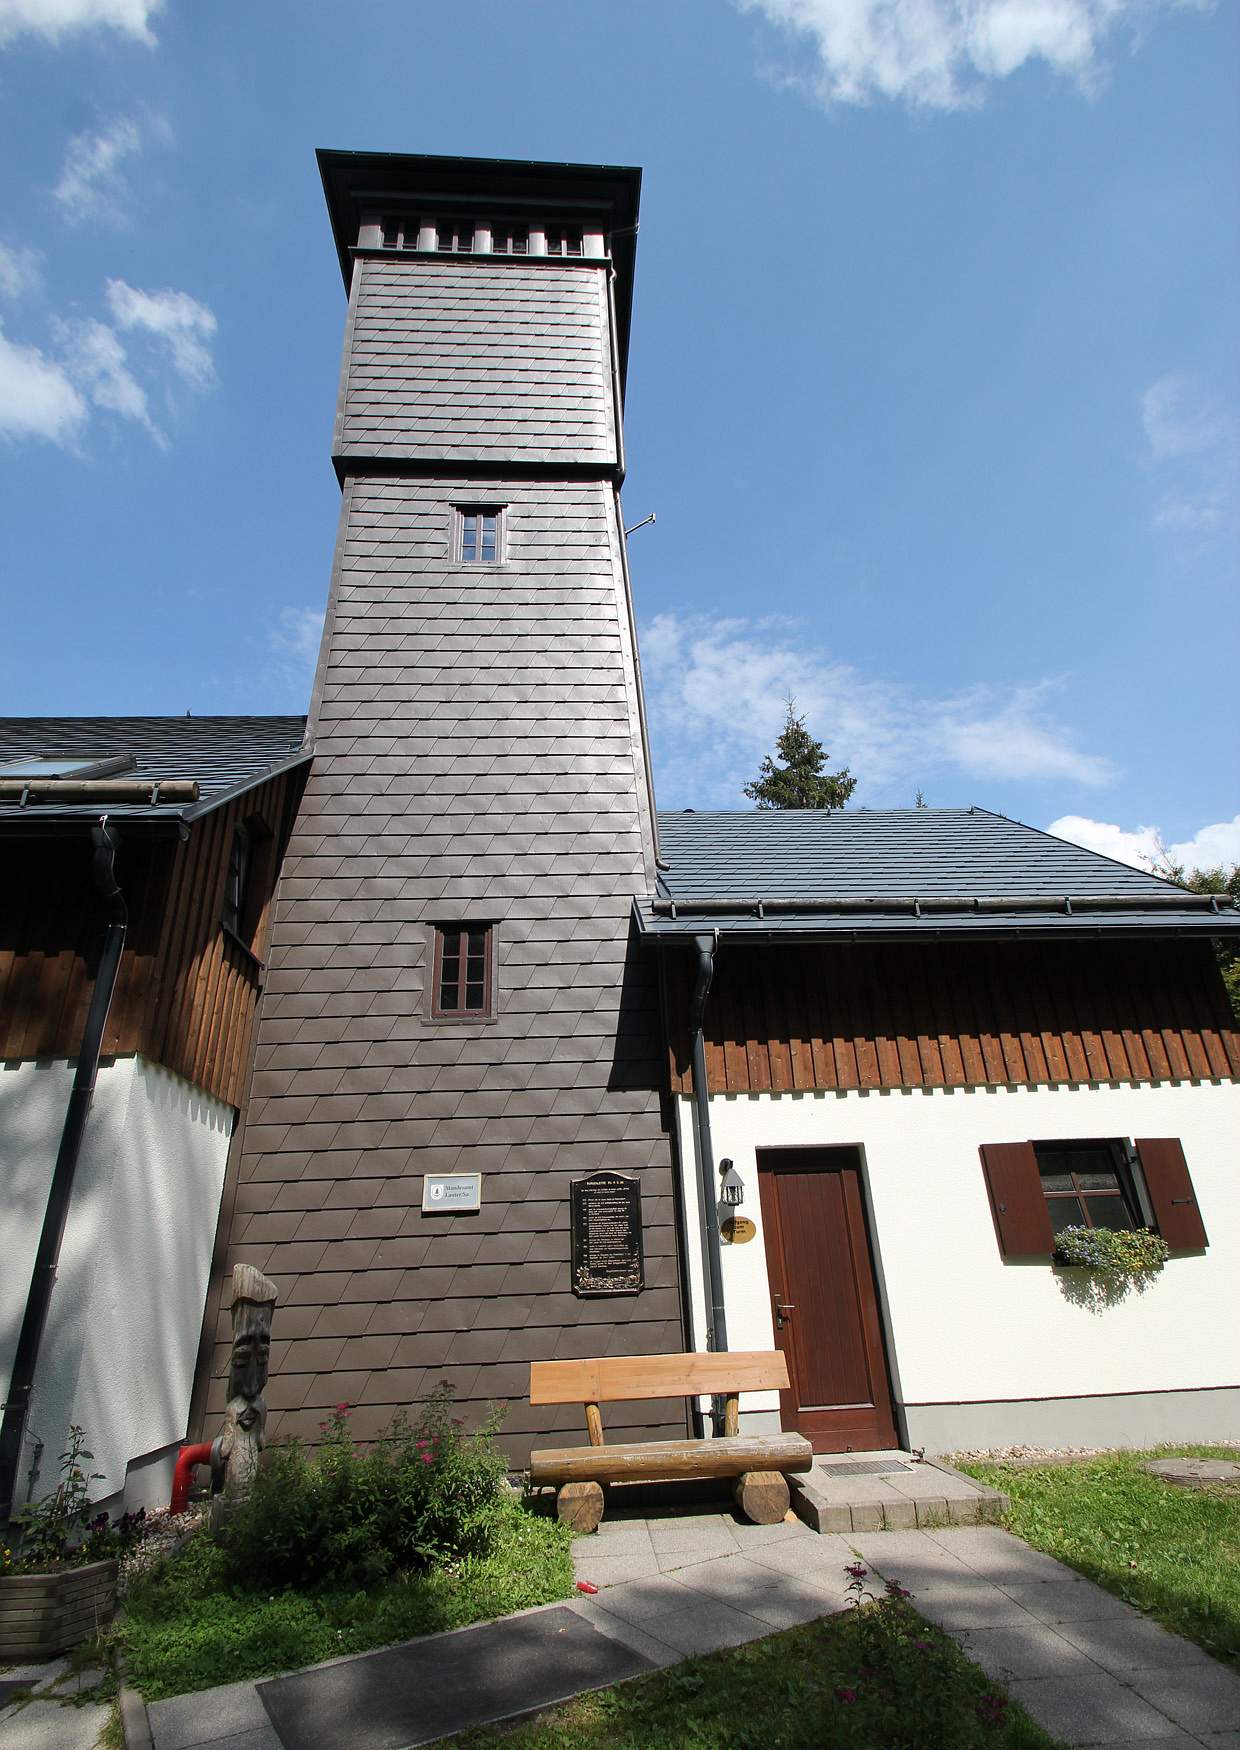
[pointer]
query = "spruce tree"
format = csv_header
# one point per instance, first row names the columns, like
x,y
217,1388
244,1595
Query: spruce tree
x,y
800,781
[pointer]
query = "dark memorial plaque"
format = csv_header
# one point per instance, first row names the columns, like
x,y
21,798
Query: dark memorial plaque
x,y
607,1234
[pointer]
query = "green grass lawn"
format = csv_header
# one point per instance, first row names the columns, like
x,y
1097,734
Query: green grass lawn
x,y
185,1628
1172,1552
876,1679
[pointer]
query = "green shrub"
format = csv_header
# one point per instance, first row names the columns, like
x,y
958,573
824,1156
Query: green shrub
x,y
187,1627
422,1495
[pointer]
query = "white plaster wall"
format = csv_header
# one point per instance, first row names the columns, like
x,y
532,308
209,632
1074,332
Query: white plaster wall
x,y
121,1337
964,1325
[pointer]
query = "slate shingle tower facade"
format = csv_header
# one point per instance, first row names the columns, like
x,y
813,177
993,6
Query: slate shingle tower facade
x,y
479,763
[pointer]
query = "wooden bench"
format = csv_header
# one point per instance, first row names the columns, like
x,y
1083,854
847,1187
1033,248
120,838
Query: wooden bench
x,y
757,1461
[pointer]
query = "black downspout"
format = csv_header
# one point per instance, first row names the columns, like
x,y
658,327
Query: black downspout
x,y
43,1277
708,1208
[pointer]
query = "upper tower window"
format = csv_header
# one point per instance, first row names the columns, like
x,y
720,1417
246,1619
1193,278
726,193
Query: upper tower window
x,y
478,535
400,233
510,240
563,239
455,234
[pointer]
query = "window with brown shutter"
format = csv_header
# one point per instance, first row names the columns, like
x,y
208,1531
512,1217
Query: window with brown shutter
x,y
1170,1188
1022,1219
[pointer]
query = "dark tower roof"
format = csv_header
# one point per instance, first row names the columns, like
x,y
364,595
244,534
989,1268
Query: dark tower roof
x,y
358,182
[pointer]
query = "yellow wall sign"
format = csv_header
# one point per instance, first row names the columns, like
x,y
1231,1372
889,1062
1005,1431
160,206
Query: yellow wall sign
x,y
737,1230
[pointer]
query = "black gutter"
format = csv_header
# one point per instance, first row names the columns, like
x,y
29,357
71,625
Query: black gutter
x,y
920,904
708,1208
43,1277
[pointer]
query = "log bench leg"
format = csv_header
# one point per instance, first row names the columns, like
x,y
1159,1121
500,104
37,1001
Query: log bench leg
x,y
581,1505
761,1495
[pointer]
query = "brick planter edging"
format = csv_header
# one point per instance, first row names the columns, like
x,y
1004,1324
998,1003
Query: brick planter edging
x,y
42,1615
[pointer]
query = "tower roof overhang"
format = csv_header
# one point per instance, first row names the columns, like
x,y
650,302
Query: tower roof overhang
x,y
360,182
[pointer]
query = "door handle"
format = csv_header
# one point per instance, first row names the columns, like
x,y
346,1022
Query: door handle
x,y
782,1309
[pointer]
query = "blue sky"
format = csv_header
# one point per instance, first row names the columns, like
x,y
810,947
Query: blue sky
x,y
934,385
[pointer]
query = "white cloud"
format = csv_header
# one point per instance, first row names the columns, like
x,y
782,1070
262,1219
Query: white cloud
x,y
37,397
1193,441
21,272
91,184
56,19
938,54
50,397
1145,846
716,693
294,641
175,319
96,359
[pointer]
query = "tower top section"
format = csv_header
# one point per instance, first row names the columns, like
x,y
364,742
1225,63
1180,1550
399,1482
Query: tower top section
x,y
495,207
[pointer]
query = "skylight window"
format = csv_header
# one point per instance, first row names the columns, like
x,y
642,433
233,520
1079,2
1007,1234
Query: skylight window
x,y
64,765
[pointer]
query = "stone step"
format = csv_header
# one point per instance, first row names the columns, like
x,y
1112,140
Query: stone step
x,y
926,1493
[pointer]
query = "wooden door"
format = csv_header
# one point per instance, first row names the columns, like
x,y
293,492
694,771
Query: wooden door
x,y
821,1272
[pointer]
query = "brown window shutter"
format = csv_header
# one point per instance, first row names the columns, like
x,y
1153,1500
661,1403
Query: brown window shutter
x,y
1022,1220
1170,1186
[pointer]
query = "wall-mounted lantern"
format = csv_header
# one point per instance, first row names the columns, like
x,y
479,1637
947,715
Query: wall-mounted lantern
x,y
732,1190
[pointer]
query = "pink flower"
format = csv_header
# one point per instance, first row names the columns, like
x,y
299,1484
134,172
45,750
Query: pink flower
x,y
342,1409
856,1570
845,1695
427,1459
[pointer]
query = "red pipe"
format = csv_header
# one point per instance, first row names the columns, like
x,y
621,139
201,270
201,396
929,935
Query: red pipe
x,y
183,1475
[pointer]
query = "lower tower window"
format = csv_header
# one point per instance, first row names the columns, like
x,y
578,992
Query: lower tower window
x,y
463,971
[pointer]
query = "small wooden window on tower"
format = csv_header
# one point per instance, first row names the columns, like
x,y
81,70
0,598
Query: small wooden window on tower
x,y
479,534
563,239
510,240
463,972
455,234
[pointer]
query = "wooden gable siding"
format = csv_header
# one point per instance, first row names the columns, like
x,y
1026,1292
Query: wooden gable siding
x,y
186,992
939,1015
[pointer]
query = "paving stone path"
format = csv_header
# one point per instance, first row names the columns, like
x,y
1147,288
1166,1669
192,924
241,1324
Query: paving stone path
x,y
1087,1666
48,1723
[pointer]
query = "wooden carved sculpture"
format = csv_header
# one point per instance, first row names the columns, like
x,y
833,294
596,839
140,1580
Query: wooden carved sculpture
x,y
234,1455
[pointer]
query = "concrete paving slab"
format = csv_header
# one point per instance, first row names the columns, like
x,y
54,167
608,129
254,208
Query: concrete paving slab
x,y
792,1603
1222,1740
1023,1649
1100,1711
977,1606
1196,1697
1122,1645
603,1570
819,1556
717,1542
997,1555
261,1738
674,1560
594,1610
642,1601
888,1550
47,1725
184,1720
617,1540
442,1684
1075,1600
674,1520
920,1483
747,1535
707,1627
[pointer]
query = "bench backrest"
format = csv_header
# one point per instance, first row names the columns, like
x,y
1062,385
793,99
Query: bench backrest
x,y
621,1378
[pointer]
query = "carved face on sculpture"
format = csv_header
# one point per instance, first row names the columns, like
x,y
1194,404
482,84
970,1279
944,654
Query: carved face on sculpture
x,y
247,1374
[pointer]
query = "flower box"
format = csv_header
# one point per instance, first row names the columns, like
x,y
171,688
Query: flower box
x,y
42,1615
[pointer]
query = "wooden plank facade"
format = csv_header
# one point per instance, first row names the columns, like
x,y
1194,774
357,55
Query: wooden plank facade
x,y
187,989
964,1014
